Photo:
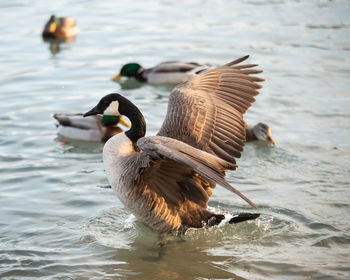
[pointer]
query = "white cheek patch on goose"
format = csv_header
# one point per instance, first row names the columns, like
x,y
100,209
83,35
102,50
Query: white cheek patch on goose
x,y
112,109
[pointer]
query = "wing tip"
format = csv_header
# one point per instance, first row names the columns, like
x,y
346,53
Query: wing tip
x,y
238,60
237,192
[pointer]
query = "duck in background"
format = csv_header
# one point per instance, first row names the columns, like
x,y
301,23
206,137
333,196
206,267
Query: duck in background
x,y
60,28
170,72
95,128
58,31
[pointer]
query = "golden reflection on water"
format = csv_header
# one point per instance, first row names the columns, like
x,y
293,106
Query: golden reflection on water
x,y
55,44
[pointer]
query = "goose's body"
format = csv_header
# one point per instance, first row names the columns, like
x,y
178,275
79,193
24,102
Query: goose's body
x,y
153,207
170,72
60,28
166,180
137,198
75,126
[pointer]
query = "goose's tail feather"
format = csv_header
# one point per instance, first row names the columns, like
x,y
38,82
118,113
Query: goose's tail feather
x,y
241,217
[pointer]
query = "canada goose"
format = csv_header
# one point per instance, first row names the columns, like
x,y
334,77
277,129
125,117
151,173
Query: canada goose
x,y
170,72
94,128
60,28
166,180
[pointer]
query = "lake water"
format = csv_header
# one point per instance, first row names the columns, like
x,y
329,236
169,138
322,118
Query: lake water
x,y
60,220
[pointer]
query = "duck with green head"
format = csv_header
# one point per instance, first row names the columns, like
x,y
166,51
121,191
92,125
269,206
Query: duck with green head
x,y
170,72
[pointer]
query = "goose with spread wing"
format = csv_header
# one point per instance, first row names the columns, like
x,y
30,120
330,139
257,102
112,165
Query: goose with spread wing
x,y
166,180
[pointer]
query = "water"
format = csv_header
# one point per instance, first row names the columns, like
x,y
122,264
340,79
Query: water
x,y
58,217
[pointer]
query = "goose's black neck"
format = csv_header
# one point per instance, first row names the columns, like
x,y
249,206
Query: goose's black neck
x,y
138,124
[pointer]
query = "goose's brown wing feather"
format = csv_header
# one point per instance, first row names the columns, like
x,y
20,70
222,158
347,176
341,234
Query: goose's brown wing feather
x,y
175,183
180,171
207,111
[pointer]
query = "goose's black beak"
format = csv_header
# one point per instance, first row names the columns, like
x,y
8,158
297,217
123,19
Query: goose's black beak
x,y
93,111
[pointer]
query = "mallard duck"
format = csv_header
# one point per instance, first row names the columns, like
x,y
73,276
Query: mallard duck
x,y
166,180
94,128
170,72
60,28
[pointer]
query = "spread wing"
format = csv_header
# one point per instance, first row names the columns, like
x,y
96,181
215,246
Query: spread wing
x,y
180,171
206,112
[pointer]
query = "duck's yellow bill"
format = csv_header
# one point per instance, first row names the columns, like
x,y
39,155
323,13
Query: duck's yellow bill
x,y
123,122
53,27
116,77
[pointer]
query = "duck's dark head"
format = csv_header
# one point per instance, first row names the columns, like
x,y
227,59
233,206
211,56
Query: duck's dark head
x,y
128,70
116,105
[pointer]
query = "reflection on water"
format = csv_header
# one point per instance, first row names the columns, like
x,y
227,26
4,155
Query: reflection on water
x,y
177,260
142,252
59,217
55,44
78,146
127,84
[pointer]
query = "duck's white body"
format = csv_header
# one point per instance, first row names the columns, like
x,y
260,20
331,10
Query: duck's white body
x,y
168,78
172,72
75,126
93,135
